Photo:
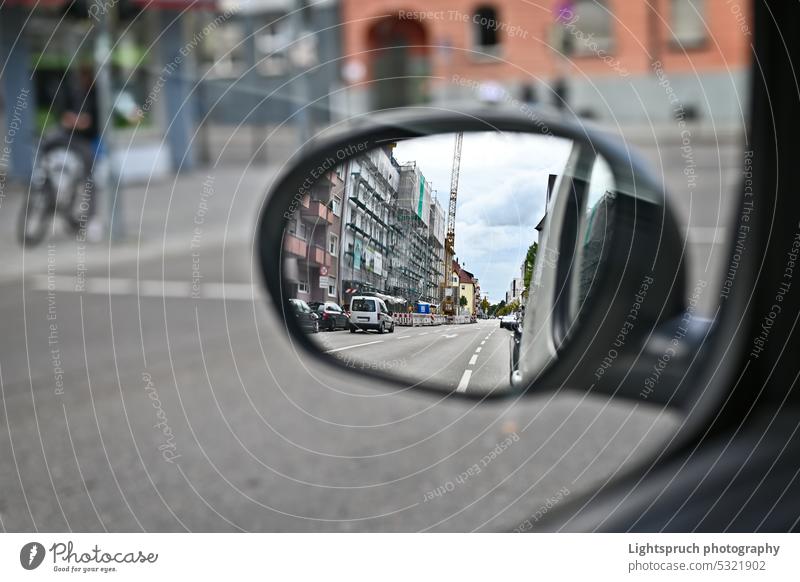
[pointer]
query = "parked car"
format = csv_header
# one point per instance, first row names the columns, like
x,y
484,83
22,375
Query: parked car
x,y
306,318
370,313
508,321
332,317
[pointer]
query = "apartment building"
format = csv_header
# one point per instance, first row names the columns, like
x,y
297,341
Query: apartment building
x,y
373,225
413,260
368,231
311,243
515,290
593,56
468,288
437,231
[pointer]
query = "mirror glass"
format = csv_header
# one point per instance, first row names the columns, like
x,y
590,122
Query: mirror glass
x,y
417,259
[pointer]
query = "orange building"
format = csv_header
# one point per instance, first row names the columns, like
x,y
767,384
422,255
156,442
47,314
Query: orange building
x,y
594,56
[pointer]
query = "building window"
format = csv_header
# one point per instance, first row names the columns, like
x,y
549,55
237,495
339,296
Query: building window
x,y
332,290
336,206
272,43
223,53
302,287
298,229
587,28
687,22
333,244
486,23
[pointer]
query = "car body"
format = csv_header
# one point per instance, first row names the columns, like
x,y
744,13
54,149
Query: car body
x,y
306,318
332,317
508,321
367,312
733,465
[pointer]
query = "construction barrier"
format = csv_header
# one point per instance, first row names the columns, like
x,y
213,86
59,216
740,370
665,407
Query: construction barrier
x,y
425,319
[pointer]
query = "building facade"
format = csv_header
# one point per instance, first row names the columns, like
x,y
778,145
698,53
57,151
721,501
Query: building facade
x,y
369,234
312,241
515,290
593,56
413,264
373,225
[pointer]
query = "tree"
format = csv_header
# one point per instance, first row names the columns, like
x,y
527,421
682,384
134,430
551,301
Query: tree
x,y
508,308
530,262
485,305
463,301
494,309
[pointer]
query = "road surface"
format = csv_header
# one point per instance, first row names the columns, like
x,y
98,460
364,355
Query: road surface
x,y
468,357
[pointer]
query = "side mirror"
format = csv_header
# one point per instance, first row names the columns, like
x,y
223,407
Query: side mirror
x,y
434,212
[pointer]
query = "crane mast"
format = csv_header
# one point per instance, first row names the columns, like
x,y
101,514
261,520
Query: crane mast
x,y
450,239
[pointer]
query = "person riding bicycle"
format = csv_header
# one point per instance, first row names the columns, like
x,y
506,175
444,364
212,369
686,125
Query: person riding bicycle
x,y
69,162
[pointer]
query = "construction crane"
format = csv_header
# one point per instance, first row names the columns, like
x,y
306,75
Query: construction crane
x,y
450,239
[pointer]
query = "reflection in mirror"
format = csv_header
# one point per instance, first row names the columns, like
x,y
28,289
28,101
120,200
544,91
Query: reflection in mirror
x,y
415,259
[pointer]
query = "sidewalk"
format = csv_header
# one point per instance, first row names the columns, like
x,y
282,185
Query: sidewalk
x,y
185,214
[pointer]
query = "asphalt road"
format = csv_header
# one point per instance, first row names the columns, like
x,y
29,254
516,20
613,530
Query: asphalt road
x,y
131,401
470,357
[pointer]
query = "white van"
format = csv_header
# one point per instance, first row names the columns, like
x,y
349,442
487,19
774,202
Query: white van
x,y
368,312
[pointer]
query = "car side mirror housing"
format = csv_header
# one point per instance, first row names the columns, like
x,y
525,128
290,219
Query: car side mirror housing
x,y
601,292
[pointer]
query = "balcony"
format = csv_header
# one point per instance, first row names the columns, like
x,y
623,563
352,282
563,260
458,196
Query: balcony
x,y
317,212
319,257
294,246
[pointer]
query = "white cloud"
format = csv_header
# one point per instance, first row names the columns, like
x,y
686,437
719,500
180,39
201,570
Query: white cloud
x,y
501,195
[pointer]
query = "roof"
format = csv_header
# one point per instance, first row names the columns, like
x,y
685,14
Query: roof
x,y
464,276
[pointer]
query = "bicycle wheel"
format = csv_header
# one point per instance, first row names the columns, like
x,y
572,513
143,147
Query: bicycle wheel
x,y
36,215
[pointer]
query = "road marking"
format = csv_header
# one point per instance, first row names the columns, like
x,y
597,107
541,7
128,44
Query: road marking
x,y
478,350
165,288
424,333
109,286
462,385
450,336
404,337
355,346
243,291
146,287
473,359
483,342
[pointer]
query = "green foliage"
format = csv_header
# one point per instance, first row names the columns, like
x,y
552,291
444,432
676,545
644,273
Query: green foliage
x,y
507,308
462,301
530,262
494,308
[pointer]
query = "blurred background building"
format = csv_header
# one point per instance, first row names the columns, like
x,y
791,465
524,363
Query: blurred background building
x,y
220,80
570,53
214,78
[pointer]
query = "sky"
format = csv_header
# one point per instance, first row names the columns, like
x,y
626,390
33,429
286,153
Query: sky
x,y
501,196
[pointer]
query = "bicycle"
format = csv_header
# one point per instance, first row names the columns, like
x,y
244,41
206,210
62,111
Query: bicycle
x,y
62,184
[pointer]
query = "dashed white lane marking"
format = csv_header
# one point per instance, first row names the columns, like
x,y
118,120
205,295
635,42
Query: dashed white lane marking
x,y
478,350
462,385
404,337
145,287
105,286
450,336
355,346
473,359
424,333
165,288
483,342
